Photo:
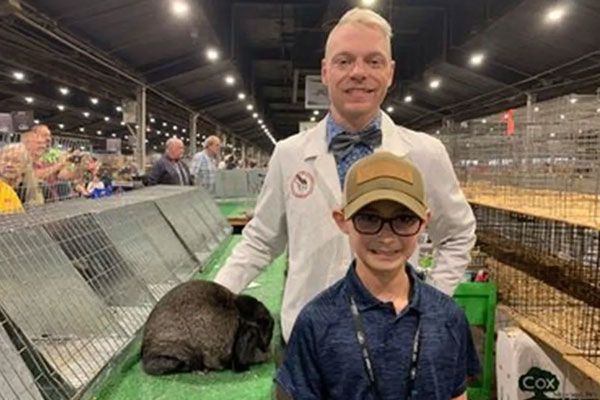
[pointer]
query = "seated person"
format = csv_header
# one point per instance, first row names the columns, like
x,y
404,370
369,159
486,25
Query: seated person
x,y
380,332
18,185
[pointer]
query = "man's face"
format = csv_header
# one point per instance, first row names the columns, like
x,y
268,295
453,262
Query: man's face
x,y
383,251
357,70
12,165
35,145
44,136
176,150
214,148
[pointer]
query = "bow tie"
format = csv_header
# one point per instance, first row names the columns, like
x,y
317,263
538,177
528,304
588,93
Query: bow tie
x,y
342,144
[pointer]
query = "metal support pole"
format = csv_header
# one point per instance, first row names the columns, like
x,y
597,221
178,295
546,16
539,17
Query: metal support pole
x,y
140,145
244,155
193,130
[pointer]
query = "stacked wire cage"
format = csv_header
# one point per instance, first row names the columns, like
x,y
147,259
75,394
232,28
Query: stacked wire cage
x,y
535,190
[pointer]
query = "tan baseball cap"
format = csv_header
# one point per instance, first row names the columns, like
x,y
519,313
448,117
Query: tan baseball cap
x,y
384,176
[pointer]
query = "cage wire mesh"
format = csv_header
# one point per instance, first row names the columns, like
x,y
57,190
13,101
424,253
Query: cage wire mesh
x,y
536,196
78,279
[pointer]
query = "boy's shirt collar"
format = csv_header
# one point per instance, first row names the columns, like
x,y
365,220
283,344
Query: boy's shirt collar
x,y
365,299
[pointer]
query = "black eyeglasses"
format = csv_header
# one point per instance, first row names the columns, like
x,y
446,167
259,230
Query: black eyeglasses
x,y
402,225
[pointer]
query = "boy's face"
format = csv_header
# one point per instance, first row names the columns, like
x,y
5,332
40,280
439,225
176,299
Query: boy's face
x,y
385,250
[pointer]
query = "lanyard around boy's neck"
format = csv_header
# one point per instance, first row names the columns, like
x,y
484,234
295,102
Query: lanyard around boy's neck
x,y
361,336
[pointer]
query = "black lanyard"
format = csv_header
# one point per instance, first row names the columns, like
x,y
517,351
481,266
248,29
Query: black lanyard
x,y
361,336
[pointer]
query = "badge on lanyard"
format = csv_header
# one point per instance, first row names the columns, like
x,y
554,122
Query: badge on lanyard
x,y
302,184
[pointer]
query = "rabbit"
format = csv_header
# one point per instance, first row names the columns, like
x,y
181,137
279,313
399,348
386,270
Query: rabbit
x,y
200,326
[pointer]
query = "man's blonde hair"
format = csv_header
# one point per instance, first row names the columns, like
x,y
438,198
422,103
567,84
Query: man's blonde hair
x,y
362,16
212,139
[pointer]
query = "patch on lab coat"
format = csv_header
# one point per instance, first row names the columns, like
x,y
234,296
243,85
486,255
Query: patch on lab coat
x,y
302,185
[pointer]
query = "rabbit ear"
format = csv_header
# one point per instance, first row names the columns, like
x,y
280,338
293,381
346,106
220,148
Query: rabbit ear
x,y
246,342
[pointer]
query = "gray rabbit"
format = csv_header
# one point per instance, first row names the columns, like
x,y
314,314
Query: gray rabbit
x,y
201,325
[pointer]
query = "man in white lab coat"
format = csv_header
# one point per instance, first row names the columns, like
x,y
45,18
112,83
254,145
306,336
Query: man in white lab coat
x,y
306,172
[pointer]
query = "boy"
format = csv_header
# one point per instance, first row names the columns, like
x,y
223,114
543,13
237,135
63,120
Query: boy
x,y
380,332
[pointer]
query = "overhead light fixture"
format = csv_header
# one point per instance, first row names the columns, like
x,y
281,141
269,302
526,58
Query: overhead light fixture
x,y
230,80
164,124
29,100
249,107
573,100
122,123
435,83
184,130
60,107
260,121
99,132
408,99
114,135
180,8
94,100
312,119
484,121
562,116
18,75
316,112
438,132
61,126
255,115
212,54
64,91
241,96
555,14
368,3
82,129
158,132
36,121
85,114
107,119
152,120
175,127
390,109
536,109
477,59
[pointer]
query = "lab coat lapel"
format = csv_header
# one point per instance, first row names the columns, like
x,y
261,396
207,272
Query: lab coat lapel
x,y
393,138
324,165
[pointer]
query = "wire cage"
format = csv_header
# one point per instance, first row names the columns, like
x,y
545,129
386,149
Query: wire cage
x,y
79,278
535,191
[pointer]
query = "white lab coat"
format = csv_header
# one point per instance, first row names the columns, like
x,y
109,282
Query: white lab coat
x,y
294,208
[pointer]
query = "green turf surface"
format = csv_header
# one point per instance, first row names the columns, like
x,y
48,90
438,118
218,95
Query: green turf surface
x,y
131,383
232,209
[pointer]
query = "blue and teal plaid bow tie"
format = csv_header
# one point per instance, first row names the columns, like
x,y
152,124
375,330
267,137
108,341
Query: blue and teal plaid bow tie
x,y
342,144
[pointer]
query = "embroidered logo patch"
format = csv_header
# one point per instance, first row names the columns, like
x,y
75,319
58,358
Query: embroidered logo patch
x,y
302,185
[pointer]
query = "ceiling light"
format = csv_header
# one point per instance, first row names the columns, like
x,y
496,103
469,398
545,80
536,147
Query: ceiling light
x,y
390,109
408,99
536,109
18,75
94,100
249,107
36,121
241,96
562,116
477,59
106,119
85,114
230,80
61,126
122,123
99,132
368,3
212,54
255,115
119,108
438,132
435,83
148,130
164,124
158,132
152,120
82,129
316,112
312,119
598,110
184,130
260,121
180,8
175,127
573,100
29,100
555,14
64,91
484,121
114,135
60,107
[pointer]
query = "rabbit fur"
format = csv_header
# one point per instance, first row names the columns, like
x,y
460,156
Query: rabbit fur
x,y
201,325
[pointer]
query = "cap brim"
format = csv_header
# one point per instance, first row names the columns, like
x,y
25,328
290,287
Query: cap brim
x,y
385,194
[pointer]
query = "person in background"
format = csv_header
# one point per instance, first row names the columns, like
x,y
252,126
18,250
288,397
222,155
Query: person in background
x,y
306,172
37,141
170,169
204,163
18,185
